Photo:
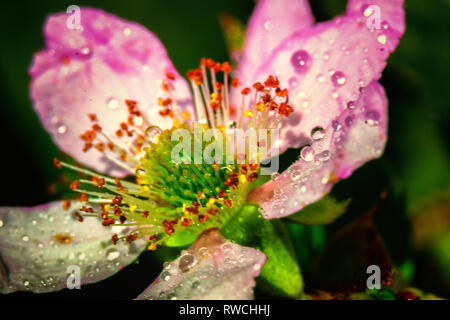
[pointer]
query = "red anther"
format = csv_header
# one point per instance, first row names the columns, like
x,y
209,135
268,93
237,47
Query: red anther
x,y
203,218
123,126
78,216
204,62
117,211
196,75
87,146
167,86
245,91
272,82
253,166
218,85
131,121
235,82
118,183
87,209
88,136
66,205
285,109
272,105
226,67
122,219
145,214
170,75
243,169
193,210
196,204
115,238
212,211
57,163
216,67
100,146
96,127
65,60
228,202
108,221
258,86
84,197
219,96
153,237
74,185
215,105
210,63
281,92
93,117
221,194
252,176
99,182
104,215
110,146
119,133
265,96
166,113
131,237
232,180
117,200
185,221
131,104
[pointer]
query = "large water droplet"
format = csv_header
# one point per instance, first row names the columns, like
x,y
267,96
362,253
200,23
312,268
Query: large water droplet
x,y
268,25
317,133
112,103
152,133
324,156
301,61
372,117
186,262
1,223
112,254
338,79
307,154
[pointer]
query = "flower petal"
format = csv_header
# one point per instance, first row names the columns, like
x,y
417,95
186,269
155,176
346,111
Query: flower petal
x,y
94,70
356,136
211,269
37,245
271,22
325,66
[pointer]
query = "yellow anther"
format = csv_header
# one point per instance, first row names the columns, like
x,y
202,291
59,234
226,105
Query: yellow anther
x,y
186,115
133,208
144,189
248,113
152,247
213,97
107,207
200,195
243,178
261,107
211,202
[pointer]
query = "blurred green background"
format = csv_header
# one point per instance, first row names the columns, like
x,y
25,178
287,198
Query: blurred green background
x,y
414,221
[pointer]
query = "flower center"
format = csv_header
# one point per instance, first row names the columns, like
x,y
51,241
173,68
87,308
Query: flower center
x,y
169,195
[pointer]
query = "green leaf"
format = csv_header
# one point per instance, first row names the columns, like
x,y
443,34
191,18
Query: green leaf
x,y
323,211
182,238
281,274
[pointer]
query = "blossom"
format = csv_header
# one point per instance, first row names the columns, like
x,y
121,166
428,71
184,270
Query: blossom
x,y
110,97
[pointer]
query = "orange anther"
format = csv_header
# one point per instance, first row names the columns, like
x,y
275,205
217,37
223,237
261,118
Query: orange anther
x,y
245,91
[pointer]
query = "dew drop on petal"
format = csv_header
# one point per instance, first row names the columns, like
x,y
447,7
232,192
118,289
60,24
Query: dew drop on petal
x,y
317,133
152,132
372,117
187,261
268,25
307,154
324,156
112,254
300,60
351,105
112,103
349,120
338,79
274,176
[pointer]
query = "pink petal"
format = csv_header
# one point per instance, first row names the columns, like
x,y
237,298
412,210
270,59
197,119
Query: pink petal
x,y
211,269
33,256
271,22
93,70
356,136
325,66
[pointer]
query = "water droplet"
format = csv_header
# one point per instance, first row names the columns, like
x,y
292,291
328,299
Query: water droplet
x,y
372,117
152,133
349,120
293,82
112,103
336,125
300,60
324,156
127,31
351,105
317,133
26,283
268,25
62,129
26,238
382,39
86,52
320,78
186,262
112,254
1,223
338,79
274,176
307,154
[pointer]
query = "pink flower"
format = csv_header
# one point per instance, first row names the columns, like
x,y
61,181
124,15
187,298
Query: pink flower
x,y
333,109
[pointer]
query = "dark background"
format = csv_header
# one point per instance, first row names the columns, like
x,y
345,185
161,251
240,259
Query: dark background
x,y
415,219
